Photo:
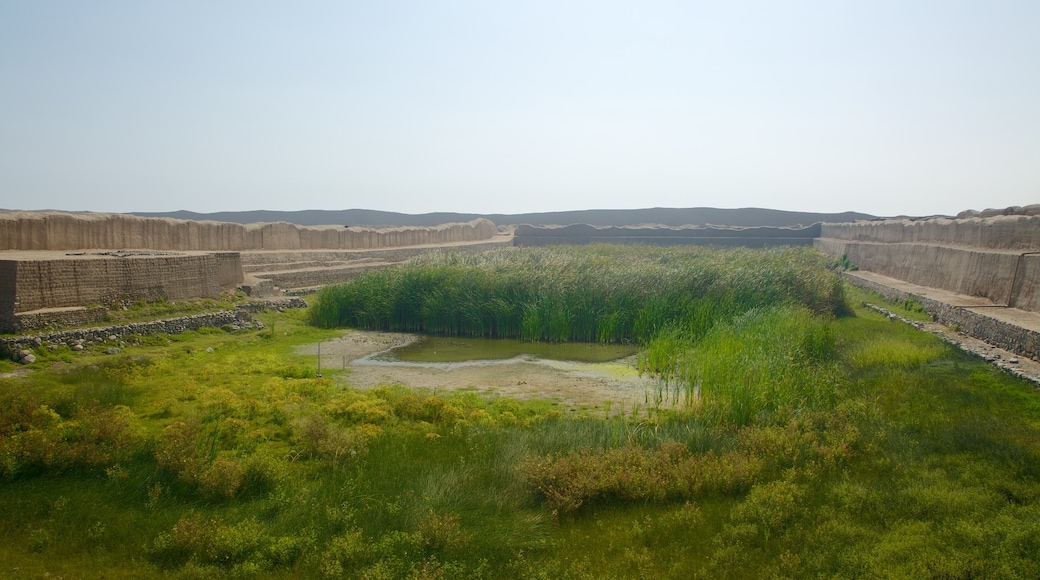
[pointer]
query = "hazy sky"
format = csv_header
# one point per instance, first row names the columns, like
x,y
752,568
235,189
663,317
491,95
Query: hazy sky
x,y
885,107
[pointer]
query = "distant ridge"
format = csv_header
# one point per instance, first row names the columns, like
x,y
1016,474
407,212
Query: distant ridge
x,y
674,217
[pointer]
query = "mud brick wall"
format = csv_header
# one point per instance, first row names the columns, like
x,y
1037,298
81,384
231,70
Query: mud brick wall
x,y
110,280
8,272
229,270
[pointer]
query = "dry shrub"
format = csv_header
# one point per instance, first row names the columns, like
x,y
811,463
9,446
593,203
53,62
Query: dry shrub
x,y
223,478
442,532
633,473
36,438
356,408
320,438
825,439
244,546
178,451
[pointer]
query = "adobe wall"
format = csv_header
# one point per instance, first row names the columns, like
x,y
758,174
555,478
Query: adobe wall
x,y
78,281
1012,232
8,272
229,270
995,257
66,231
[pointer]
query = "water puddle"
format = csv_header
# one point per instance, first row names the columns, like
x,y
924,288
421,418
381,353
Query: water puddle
x,y
451,353
576,374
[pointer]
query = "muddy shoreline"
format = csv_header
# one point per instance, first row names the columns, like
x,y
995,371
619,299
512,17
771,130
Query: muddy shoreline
x,y
616,385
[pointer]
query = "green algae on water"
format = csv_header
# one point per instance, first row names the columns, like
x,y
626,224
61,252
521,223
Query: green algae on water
x,y
436,349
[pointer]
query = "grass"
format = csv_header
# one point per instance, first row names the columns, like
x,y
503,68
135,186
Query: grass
x,y
142,310
908,308
798,445
162,308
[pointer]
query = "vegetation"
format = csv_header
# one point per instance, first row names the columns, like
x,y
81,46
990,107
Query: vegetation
x,y
580,293
783,442
161,308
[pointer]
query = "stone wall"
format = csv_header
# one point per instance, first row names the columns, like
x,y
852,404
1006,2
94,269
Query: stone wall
x,y
55,318
85,231
240,317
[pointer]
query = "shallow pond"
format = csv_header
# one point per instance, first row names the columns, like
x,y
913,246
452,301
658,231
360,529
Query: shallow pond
x,y
575,374
434,349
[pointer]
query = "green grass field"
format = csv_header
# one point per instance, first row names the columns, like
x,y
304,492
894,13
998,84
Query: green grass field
x,y
782,442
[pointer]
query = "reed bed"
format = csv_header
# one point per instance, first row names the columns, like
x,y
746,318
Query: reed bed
x,y
584,293
737,334
746,369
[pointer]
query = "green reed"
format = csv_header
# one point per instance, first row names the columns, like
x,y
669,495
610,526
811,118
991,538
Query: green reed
x,y
586,293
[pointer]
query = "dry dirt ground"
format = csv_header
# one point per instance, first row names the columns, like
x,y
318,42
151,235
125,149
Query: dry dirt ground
x,y
616,385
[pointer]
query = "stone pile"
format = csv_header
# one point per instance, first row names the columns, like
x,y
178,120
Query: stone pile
x,y
20,348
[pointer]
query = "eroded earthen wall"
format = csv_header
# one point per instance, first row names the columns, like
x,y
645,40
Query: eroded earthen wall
x,y
110,280
8,296
229,270
1014,233
64,231
753,237
995,258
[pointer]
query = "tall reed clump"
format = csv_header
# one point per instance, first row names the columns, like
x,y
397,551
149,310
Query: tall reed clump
x,y
763,361
580,293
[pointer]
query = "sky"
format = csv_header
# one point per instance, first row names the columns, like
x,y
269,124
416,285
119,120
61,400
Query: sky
x,y
886,107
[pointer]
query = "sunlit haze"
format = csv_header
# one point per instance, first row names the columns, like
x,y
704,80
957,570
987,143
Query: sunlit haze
x,y
883,107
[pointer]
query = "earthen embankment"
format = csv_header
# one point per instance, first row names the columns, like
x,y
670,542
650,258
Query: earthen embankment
x,y
90,231
718,236
997,258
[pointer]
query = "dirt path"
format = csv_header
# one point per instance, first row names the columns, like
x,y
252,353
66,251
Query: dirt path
x,y
573,385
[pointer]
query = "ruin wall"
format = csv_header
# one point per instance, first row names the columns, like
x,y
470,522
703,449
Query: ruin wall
x,y
8,270
995,257
1011,232
753,237
59,283
67,231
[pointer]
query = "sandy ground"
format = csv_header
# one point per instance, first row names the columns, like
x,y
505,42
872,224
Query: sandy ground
x,y
574,385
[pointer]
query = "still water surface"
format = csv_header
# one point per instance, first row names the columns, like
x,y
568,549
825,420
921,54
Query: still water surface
x,y
435,349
